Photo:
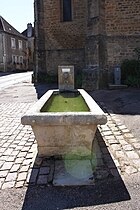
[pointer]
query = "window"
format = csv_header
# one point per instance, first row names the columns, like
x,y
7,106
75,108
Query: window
x,y
13,43
20,44
17,59
14,59
21,59
66,10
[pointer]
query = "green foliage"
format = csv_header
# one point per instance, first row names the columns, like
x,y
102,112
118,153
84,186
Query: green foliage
x,y
130,70
133,81
46,78
78,79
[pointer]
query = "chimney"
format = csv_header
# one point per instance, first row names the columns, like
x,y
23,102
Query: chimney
x,y
29,30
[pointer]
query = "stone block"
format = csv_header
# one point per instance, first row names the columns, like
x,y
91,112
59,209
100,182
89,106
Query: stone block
x,y
73,172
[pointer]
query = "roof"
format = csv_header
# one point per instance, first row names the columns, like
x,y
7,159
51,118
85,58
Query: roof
x,y
7,28
25,32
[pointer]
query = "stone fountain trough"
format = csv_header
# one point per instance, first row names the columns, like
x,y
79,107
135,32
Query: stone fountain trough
x,y
66,134
61,133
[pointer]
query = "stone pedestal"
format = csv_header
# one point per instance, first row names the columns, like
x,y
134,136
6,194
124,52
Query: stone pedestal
x,y
66,78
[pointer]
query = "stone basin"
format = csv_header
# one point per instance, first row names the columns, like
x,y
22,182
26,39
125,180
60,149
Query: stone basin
x,y
64,133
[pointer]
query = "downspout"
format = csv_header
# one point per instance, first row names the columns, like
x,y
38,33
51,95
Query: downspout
x,y
4,46
4,53
36,44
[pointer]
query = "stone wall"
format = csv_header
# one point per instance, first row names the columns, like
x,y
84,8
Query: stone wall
x,y
59,42
1,52
113,32
102,33
122,21
122,17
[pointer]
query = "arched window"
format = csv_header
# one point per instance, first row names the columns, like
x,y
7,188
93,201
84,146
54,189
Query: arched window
x,y
66,11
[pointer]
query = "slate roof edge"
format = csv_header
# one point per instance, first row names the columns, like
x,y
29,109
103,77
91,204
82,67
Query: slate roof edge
x,y
13,32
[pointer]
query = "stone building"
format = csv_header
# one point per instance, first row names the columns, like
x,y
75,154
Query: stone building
x,y
29,33
13,48
92,35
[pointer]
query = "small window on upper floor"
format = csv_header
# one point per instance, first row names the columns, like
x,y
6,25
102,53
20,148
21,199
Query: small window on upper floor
x,y
13,43
66,10
21,59
14,59
20,44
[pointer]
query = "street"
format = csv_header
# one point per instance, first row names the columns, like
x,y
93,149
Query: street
x,y
25,185
11,79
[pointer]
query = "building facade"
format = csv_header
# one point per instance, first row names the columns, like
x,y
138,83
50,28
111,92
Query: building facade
x,y
29,33
92,35
13,48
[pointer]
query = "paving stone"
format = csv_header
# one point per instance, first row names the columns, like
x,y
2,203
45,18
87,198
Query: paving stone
x,y
14,153
19,160
73,172
107,133
123,142
136,145
127,147
1,163
3,174
24,168
38,161
130,170
117,163
32,176
28,144
132,155
110,137
8,151
113,141
27,162
19,184
44,170
29,156
125,131
51,173
7,166
114,128
5,145
2,150
25,149
42,179
22,154
133,140
1,182
10,159
8,185
120,154
105,128
121,127
11,177
137,163
15,168
22,143
101,174
115,147
22,176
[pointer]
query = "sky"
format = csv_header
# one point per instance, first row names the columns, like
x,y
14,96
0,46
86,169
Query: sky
x,y
17,13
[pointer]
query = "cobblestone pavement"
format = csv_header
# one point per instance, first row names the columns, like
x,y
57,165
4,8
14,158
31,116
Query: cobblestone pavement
x,y
20,166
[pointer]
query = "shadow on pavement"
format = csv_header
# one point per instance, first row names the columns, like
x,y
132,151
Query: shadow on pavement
x,y
70,197
123,101
41,89
107,190
5,73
